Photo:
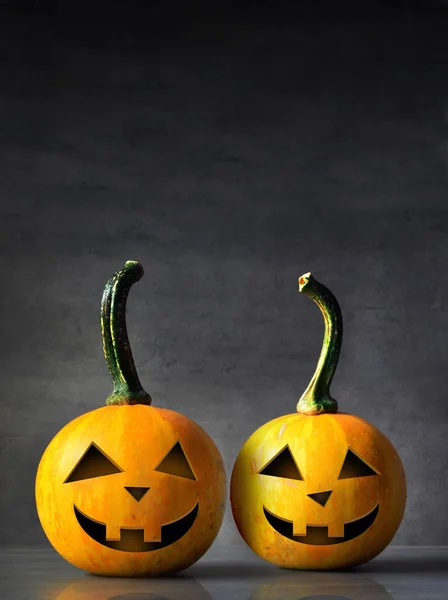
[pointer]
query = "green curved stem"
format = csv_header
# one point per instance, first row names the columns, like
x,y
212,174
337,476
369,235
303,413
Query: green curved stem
x,y
117,351
316,399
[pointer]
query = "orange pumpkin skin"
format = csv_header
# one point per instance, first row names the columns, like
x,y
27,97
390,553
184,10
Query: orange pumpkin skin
x,y
318,444
137,438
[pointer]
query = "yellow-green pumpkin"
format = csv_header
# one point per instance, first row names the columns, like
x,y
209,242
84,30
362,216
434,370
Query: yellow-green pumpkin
x,y
318,489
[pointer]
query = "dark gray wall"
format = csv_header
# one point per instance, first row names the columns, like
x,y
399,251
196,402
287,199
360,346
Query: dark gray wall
x,y
229,155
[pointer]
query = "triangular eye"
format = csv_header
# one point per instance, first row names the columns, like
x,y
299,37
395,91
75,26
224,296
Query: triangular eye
x,y
93,463
354,466
282,465
176,463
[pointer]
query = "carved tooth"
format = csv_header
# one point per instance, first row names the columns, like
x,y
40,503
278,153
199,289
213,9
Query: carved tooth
x,y
152,533
113,532
336,529
299,528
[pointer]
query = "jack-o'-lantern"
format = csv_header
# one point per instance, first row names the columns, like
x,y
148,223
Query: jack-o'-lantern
x,y
321,586
318,489
130,489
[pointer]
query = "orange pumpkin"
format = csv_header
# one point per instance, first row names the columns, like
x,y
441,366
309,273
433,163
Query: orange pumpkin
x,y
130,489
318,489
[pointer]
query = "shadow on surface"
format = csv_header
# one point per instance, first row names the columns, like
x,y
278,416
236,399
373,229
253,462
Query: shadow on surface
x,y
91,587
403,564
240,570
233,569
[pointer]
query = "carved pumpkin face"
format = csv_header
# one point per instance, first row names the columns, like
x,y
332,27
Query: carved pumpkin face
x,y
318,489
317,492
133,489
130,489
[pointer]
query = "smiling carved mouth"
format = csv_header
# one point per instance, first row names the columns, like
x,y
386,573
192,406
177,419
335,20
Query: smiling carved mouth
x,y
317,535
132,540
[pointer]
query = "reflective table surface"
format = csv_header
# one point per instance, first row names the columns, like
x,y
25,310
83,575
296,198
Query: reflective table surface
x,y
399,573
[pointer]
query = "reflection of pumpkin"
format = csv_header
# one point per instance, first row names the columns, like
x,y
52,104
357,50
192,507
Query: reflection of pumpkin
x,y
318,489
325,586
90,588
130,489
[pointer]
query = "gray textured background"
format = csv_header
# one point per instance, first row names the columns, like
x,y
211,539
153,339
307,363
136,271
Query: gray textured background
x,y
229,154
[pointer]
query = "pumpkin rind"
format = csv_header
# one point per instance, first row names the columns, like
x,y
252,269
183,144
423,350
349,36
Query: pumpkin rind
x,y
318,445
136,438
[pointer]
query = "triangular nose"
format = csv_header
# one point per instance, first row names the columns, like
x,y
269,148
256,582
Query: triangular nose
x,y
137,492
320,497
